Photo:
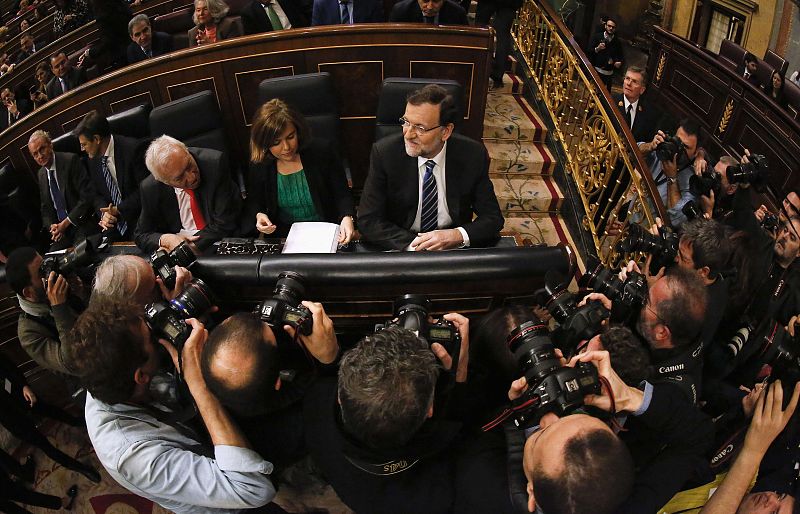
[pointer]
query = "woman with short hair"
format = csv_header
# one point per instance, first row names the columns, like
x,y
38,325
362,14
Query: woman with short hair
x,y
212,23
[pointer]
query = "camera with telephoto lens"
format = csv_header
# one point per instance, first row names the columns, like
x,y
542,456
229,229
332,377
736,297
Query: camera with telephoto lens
x,y
164,262
632,292
551,386
168,319
670,148
770,222
703,184
664,245
755,172
782,352
284,308
411,312
691,210
576,324
81,256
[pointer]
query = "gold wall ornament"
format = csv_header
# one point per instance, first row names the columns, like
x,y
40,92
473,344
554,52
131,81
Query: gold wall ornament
x,y
660,69
726,117
598,159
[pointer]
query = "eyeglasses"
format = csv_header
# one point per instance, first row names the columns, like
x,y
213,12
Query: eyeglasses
x,y
659,318
418,129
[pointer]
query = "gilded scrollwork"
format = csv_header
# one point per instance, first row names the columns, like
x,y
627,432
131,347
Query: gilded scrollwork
x,y
610,187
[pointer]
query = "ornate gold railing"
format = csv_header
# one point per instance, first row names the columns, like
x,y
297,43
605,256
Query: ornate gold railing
x,y
599,149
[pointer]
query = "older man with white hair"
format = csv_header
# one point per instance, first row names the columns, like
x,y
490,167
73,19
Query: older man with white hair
x,y
189,196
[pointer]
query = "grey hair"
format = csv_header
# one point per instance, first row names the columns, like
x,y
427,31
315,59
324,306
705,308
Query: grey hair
x,y
40,134
111,278
139,18
218,9
158,152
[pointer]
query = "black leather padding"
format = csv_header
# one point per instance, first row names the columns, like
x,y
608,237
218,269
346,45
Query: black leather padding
x,y
194,119
392,101
312,95
67,142
133,122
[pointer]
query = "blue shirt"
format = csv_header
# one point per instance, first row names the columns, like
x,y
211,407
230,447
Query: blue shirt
x,y
675,215
155,460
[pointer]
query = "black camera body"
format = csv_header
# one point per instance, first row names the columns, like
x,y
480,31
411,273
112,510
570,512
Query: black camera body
x,y
411,312
770,222
670,148
168,319
551,387
703,184
164,262
68,263
755,172
691,210
632,292
575,323
284,308
664,246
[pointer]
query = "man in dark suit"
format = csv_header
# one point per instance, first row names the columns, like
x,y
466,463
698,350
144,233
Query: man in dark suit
x,y
13,109
146,43
748,68
64,212
286,14
27,48
425,184
642,117
65,76
116,167
346,12
189,196
435,12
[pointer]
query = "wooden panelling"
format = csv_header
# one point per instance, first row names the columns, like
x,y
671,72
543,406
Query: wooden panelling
x,y
733,114
358,57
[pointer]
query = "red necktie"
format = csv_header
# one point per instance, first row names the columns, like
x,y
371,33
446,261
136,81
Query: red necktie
x,y
197,214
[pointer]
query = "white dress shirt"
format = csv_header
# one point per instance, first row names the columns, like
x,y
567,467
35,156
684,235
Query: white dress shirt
x,y
189,227
633,109
111,167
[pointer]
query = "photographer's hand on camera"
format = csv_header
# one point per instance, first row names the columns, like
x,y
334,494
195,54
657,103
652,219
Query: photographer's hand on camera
x,y
321,343
182,277
57,289
462,325
625,397
650,146
170,241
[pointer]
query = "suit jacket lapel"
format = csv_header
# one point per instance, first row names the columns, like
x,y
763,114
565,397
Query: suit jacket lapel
x,y
63,179
451,169
412,178
169,203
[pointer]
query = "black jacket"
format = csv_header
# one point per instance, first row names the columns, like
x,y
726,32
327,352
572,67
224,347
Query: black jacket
x,y
646,122
327,184
408,11
23,108
70,174
255,19
74,78
160,44
612,51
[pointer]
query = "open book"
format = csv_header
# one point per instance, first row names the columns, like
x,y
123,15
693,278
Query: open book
x,y
312,237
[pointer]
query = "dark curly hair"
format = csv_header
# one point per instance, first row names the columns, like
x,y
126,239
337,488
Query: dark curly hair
x,y
105,349
629,357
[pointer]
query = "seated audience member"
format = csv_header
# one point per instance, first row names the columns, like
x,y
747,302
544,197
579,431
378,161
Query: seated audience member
x,y
672,177
211,23
242,363
267,15
130,278
27,47
116,168
346,12
748,68
46,316
433,12
19,405
398,212
24,25
769,421
387,442
146,43
4,34
13,109
65,76
64,212
775,90
293,177
189,196
570,461
69,15
148,453
38,92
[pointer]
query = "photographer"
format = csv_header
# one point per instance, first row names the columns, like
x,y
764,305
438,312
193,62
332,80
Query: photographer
x,y
576,464
671,162
145,448
261,376
131,278
384,437
46,316
718,203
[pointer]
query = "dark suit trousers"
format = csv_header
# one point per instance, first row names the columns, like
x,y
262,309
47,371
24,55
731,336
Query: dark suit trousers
x,y
503,19
14,491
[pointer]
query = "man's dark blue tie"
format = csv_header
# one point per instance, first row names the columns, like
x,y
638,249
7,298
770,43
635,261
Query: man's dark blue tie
x,y
430,200
58,198
345,14
113,190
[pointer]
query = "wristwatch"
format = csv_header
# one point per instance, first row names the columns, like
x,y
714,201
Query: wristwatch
x,y
672,180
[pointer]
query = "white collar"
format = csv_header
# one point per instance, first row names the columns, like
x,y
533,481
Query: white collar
x,y
439,158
